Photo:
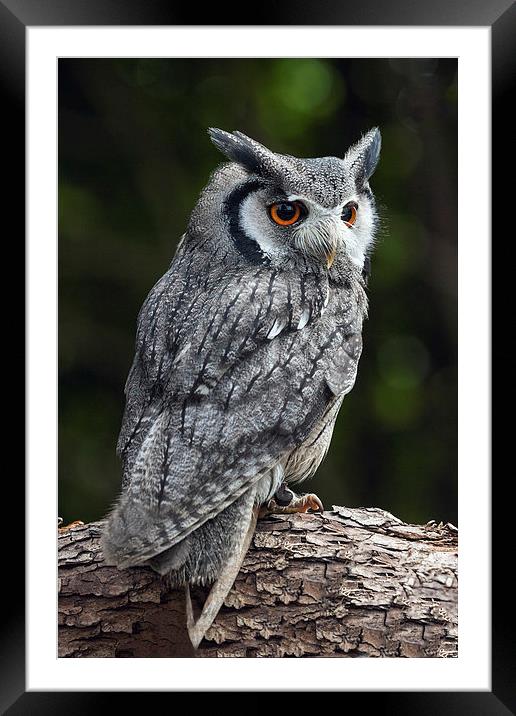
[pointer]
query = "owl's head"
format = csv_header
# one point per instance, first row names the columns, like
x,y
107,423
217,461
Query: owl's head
x,y
276,208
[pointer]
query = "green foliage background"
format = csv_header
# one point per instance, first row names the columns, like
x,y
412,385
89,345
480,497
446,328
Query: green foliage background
x,y
133,157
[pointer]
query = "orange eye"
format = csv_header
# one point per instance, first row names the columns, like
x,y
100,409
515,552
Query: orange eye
x,y
349,214
286,213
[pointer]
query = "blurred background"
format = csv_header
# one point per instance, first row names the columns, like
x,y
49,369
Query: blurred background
x,y
133,157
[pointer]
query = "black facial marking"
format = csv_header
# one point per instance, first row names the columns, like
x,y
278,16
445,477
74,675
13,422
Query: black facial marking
x,y
244,243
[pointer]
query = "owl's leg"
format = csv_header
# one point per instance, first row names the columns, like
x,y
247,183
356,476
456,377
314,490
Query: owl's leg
x,y
287,502
221,587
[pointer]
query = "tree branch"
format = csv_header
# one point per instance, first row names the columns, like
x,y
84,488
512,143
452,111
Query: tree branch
x,y
350,582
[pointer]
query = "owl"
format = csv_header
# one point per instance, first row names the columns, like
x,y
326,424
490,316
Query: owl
x,y
244,352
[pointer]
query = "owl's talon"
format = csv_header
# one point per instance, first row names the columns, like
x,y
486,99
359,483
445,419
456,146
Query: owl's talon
x,y
312,503
299,503
75,523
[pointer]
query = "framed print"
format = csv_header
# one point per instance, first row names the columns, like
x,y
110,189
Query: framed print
x,y
101,89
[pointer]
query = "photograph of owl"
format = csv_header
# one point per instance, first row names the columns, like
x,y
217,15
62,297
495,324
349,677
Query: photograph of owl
x,y
245,350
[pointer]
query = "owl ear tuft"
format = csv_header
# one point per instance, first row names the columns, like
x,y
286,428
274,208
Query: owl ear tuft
x,y
364,155
240,148
236,147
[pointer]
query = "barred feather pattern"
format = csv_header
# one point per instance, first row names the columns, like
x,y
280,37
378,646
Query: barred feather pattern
x,y
212,402
245,349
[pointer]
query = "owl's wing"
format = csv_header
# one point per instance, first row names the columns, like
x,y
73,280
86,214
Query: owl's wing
x,y
232,371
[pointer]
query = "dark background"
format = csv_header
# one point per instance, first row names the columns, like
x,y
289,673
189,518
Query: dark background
x,y
133,157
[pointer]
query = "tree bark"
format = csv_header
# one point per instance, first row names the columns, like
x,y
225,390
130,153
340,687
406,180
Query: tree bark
x,y
350,582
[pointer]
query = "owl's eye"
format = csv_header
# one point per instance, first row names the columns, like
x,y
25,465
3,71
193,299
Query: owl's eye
x,y
286,213
349,214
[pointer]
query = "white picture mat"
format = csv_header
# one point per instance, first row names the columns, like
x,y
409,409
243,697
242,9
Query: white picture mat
x,y
471,670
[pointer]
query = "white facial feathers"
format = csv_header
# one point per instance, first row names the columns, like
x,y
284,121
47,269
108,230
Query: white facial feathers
x,y
319,231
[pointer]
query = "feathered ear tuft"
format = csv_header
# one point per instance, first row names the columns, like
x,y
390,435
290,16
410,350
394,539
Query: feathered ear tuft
x,y
250,154
235,147
364,155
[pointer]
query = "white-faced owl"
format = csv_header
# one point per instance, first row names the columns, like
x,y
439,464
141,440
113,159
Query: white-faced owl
x,y
245,350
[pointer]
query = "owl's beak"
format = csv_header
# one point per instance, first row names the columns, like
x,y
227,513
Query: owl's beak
x,y
319,238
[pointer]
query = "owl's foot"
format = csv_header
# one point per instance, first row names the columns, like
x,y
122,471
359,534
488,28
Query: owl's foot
x,y
75,523
286,502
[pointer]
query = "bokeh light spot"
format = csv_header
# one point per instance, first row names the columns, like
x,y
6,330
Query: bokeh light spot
x,y
403,361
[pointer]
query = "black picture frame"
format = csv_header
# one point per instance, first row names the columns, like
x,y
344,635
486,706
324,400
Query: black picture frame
x,y
15,17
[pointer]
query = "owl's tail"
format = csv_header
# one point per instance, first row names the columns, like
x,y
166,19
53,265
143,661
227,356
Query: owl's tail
x,y
137,533
225,580
177,561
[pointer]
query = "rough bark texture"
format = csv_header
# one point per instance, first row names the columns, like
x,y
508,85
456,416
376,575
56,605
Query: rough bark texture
x,y
350,582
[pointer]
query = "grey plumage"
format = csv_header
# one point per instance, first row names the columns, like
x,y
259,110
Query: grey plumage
x,y
245,349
